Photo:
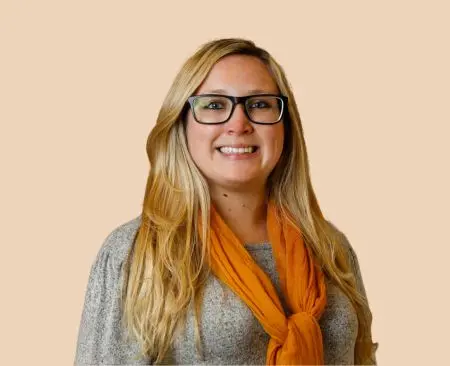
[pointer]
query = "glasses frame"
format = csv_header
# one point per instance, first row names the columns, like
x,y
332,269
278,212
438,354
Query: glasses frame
x,y
236,101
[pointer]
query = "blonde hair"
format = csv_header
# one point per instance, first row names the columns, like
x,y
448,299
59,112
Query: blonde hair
x,y
166,268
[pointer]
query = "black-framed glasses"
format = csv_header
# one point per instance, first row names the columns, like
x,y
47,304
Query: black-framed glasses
x,y
264,109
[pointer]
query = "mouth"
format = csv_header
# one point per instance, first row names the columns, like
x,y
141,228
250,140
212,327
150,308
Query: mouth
x,y
229,150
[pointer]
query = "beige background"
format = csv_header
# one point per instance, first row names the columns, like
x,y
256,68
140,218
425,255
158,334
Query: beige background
x,y
80,87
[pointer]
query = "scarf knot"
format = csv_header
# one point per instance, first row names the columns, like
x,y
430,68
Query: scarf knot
x,y
301,329
294,340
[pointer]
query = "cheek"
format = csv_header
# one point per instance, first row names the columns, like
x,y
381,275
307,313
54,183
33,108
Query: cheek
x,y
190,136
199,139
194,136
276,139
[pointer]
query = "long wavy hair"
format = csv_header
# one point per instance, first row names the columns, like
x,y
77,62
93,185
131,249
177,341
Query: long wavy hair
x,y
166,269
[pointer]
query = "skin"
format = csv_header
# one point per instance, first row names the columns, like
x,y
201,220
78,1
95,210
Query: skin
x,y
237,187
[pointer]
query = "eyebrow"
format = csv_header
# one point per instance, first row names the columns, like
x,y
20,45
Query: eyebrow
x,y
251,91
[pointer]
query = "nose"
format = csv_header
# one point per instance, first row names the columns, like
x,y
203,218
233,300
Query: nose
x,y
238,122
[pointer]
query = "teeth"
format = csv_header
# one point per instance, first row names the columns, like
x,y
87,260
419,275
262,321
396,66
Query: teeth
x,y
237,150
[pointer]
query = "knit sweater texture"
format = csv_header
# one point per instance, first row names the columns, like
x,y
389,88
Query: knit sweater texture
x,y
230,333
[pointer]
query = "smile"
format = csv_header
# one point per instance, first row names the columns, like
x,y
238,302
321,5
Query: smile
x,y
237,150
239,153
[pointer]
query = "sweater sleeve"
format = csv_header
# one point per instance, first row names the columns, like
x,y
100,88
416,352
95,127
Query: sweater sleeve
x,y
101,340
354,264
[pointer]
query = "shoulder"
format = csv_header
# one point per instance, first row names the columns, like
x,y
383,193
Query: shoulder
x,y
351,256
106,268
347,248
118,242
342,239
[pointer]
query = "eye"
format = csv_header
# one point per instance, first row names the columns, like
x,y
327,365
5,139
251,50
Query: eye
x,y
213,105
258,104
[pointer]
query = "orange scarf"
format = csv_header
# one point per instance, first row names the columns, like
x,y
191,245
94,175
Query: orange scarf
x,y
298,338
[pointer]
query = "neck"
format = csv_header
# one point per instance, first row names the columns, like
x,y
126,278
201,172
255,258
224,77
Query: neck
x,y
244,212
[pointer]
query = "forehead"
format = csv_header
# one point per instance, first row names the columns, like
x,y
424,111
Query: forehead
x,y
239,75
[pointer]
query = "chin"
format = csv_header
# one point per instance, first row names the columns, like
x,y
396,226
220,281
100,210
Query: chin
x,y
237,181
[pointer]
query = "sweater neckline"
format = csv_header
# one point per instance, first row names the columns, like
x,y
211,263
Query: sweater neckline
x,y
258,246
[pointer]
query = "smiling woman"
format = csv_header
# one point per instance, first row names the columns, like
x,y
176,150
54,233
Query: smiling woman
x,y
231,260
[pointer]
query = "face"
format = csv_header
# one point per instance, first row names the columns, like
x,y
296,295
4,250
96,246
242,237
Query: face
x,y
236,75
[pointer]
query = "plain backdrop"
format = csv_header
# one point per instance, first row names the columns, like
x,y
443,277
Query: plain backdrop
x,y
81,84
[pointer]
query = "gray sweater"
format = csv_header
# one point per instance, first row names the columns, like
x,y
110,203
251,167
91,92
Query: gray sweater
x,y
230,333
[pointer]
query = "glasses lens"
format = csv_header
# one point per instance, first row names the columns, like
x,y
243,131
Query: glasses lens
x,y
265,109
212,109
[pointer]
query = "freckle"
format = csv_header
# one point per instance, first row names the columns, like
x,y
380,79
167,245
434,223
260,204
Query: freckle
x,y
229,210
225,195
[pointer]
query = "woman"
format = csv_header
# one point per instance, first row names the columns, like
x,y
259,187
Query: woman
x,y
231,260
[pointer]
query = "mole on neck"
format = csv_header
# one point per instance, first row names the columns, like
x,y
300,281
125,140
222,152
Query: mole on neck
x,y
244,212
